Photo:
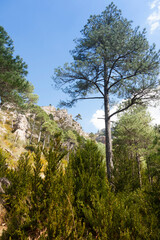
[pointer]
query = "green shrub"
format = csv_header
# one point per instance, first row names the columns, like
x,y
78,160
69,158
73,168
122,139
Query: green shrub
x,y
93,197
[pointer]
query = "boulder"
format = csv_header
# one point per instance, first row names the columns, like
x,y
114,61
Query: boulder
x,y
21,127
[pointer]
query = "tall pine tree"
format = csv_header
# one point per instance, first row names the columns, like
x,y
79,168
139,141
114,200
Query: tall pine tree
x,y
112,60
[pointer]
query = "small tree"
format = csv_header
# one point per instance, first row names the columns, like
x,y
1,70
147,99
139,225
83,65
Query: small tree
x,y
78,117
92,195
36,193
17,199
14,87
113,60
3,164
55,210
132,140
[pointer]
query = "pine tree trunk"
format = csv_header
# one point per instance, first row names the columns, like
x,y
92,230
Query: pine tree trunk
x,y
139,169
32,129
49,137
40,132
149,175
44,142
108,138
12,122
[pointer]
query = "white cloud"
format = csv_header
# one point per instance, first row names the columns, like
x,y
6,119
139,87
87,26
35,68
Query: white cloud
x,y
154,17
153,4
98,117
155,114
154,26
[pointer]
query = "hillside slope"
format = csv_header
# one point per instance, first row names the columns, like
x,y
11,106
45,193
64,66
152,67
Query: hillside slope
x,y
35,126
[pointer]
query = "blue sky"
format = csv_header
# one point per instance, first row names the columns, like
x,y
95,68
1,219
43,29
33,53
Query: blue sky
x,y
43,33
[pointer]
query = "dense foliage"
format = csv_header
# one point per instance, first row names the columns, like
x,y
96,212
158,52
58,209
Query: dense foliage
x,y
112,60
58,188
14,87
75,201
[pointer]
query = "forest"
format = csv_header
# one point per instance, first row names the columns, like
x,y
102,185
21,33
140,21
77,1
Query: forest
x,y
67,186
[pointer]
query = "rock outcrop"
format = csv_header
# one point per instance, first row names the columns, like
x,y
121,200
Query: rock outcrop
x,y
20,123
64,120
21,127
4,181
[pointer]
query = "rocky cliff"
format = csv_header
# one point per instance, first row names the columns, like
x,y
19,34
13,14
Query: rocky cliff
x,y
64,120
19,128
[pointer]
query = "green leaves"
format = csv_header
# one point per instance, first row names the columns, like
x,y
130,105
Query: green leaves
x,y
77,202
13,70
111,60
132,140
109,39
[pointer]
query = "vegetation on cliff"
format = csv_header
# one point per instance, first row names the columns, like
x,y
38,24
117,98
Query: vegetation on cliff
x,y
54,182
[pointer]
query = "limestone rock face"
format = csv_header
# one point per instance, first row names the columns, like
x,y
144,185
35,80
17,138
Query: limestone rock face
x,y
20,122
21,127
49,109
64,120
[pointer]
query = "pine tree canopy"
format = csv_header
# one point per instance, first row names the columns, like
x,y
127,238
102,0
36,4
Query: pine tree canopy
x,y
111,54
13,71
114,61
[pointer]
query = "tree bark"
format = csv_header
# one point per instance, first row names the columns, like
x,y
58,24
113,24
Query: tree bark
x,y
44,142
32,129
49,137
108,138
40,132
139,169
149,175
